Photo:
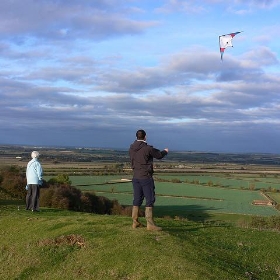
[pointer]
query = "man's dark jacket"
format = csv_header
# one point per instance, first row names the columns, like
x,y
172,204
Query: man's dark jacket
x,y
141,157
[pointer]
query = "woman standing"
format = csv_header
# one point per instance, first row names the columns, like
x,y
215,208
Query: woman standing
x,y
34,176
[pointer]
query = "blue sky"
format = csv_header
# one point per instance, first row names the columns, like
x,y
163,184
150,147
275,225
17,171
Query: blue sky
x,y
90,73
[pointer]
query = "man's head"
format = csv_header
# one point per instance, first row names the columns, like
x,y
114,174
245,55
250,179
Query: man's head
x,y
141,134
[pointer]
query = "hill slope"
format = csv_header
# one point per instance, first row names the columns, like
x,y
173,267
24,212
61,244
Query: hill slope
x,y
54,244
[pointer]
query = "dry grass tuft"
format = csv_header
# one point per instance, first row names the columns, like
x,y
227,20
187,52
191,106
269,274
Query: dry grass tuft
x,y
71,239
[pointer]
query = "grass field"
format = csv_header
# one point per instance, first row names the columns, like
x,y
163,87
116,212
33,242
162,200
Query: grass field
x,y
205,218
229,180
206,234
275,196
54,244
179,199
225,180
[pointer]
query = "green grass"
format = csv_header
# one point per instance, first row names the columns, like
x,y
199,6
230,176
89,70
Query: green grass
x,y
275,196
36,246
230,180
180,198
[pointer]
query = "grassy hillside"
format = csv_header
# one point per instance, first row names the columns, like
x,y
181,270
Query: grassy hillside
x,y
54,244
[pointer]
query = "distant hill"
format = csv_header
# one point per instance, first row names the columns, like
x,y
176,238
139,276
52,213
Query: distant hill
x,y
70,154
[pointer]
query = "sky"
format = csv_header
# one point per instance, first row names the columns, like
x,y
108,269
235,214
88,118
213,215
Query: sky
x,y
90,73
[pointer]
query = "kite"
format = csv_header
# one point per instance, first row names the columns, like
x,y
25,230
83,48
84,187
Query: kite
x,y
225,41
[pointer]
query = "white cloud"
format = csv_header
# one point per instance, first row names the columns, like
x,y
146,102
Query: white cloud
x,y
84,74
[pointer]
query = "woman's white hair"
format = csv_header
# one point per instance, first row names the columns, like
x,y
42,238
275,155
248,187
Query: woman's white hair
x,y
35,154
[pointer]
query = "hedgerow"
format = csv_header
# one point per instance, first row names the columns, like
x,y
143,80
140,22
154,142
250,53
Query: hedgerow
x,y
58,193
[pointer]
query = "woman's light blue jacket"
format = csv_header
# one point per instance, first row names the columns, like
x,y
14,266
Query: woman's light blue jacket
x,y
34,172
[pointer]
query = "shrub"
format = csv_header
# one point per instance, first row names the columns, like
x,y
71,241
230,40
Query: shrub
x,y
86,203
63,197
13,181
263,223
46,196
210,183
70,198
105,205
117,209
94,204
175,180
60,179
58,193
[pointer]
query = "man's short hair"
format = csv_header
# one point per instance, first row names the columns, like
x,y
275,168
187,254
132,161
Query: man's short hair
x,y
140,134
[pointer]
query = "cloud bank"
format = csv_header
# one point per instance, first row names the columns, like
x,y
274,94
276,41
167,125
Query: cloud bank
x,y
90,74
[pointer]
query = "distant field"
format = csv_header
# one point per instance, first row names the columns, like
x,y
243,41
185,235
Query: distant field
x,y
236,181
275,196
185,181
181,198
230,180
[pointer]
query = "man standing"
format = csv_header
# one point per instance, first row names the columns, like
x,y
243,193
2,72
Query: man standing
x,y
141,157
34,174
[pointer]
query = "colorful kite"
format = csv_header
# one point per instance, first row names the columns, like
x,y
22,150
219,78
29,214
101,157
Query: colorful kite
x,y
225,41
